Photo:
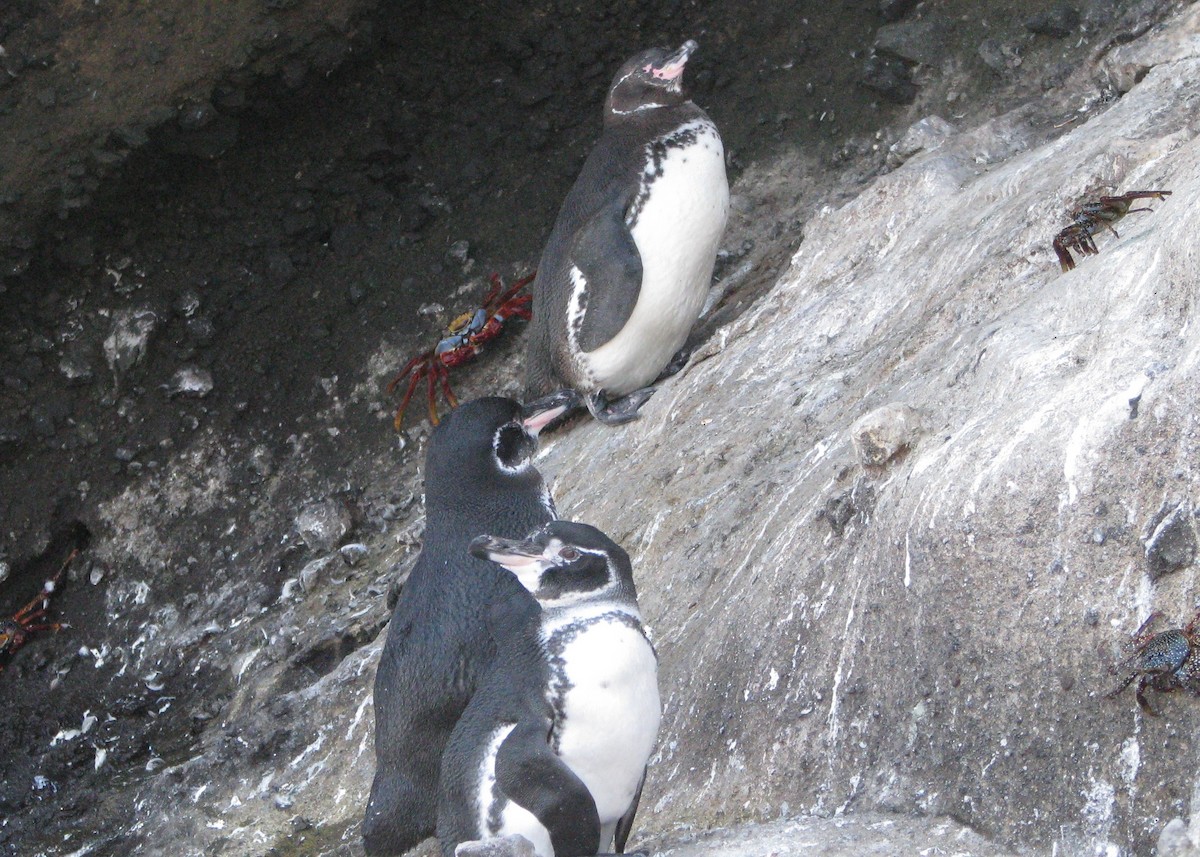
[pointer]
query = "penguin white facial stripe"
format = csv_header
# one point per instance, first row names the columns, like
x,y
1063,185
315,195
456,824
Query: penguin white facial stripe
x,y
500,451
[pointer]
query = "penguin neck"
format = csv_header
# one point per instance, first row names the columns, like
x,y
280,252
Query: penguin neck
x,y
470,507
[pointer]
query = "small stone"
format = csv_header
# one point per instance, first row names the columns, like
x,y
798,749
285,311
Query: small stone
x,y
922,41
1170,541
190,381
323,524
76,369
515,845
130,336
459,251
316,569
5,570
999,58
1174,841
201,329
353,554
922,136
884,432
889,77
186,303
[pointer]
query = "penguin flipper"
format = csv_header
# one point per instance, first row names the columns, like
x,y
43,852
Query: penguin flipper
x,y
625,822
531,775
606,257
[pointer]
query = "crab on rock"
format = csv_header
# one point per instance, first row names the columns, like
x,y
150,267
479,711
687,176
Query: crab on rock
x,y
1164,662
1091,217
466,337
16,631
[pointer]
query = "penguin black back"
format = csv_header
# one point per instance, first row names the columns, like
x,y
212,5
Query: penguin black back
x,y
479,478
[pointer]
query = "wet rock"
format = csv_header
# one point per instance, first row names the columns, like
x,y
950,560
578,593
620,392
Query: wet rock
x,y
889,77
884,432
128,339
190,381
1058,22
501,846
1170,540
924,135
324,524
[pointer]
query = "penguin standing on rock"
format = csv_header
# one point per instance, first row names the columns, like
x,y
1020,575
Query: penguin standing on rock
x,y
554,744
479,478
629,262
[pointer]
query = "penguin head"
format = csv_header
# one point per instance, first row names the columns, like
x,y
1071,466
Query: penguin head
x,y
484,441
653,78
564,563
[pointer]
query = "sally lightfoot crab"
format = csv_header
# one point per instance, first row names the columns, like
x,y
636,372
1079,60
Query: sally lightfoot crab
x,y
1091,217
466,337
29,620
1164,662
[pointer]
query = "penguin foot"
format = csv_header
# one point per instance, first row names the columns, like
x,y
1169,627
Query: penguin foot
x,y
623,410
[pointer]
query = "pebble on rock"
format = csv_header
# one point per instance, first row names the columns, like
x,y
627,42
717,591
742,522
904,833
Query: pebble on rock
x,y
126,344
190,381
515,845
1171,541
323,524
881,434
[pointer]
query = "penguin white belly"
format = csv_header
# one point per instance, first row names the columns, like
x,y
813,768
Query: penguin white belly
x,y
677,225
610,712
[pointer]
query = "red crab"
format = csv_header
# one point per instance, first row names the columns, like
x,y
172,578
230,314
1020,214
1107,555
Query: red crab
x,y
466,337
1091,217
15,632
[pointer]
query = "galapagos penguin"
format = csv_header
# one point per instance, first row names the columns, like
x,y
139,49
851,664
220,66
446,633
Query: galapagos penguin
x,y
628,264
555,742
479,478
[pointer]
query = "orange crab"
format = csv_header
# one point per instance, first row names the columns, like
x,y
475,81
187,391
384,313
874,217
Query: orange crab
x,y
466,337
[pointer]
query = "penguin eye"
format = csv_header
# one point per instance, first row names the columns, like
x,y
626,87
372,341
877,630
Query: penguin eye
x,y
569,554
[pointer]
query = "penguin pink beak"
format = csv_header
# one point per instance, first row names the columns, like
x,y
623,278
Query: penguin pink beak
x,y
539,414
672,67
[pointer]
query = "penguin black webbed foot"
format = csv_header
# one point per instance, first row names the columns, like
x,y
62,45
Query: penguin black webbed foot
x,y
623,410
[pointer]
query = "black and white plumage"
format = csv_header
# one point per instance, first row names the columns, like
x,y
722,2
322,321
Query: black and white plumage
x,y
554,744
479,477
628,265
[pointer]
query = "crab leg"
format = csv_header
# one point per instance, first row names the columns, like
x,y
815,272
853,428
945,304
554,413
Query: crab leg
x,y
398,420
